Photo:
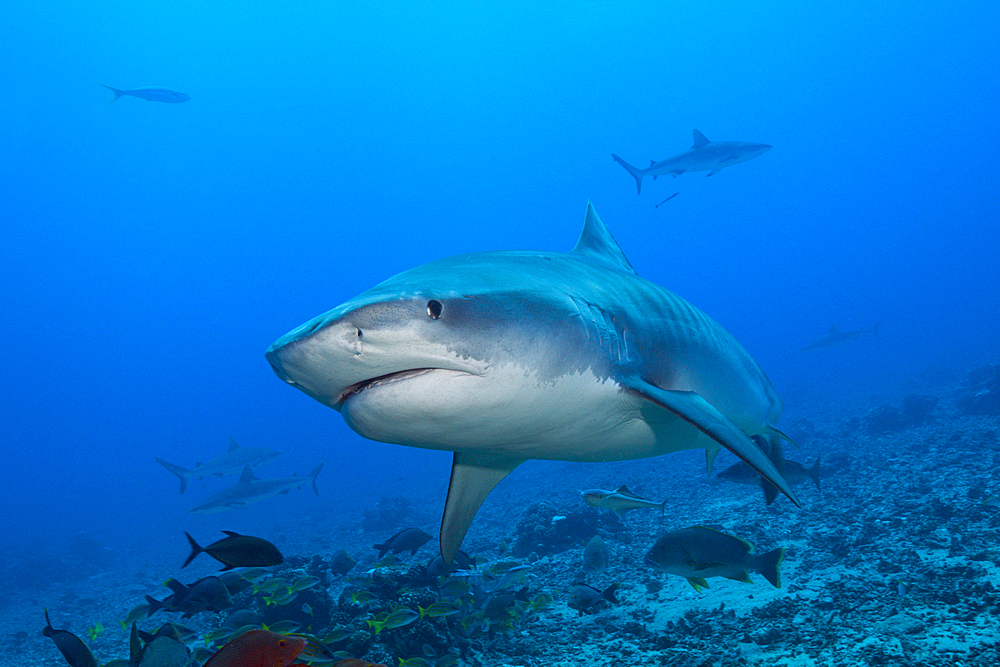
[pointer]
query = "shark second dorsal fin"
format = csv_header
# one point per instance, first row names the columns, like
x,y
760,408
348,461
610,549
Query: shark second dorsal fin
x,y
597,243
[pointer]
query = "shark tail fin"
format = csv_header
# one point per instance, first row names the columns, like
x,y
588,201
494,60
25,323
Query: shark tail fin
x,y
182,473
875,328
637,173
814,473
313,475
769,565
195,550
118,93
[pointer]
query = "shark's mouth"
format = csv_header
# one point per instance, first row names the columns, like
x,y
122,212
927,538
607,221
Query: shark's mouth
x,y
388,378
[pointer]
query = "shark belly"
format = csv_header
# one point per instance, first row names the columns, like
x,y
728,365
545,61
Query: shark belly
x,y
574,417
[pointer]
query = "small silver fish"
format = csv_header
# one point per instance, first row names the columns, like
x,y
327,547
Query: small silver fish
x,y
151,94
619,501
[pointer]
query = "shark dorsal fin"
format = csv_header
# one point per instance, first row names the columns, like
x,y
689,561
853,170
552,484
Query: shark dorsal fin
x,y
624,491
597,243
833,328
700,140
247,475
233,445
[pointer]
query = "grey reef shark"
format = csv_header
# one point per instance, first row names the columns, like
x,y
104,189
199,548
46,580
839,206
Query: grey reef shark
x,y
506,356
836,337
150,94
704,155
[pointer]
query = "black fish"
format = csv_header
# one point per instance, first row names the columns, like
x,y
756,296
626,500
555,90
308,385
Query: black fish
x,y
238,619
463,561
342,563
583,597
237,551
208,594
160,650
72,647
408,539
235,582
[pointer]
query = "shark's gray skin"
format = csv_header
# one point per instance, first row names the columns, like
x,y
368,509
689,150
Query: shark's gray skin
x,y
232,462
704,155
151,94
251,490
837,337
506,356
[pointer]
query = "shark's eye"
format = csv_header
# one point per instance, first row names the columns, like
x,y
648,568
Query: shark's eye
x,y
434,309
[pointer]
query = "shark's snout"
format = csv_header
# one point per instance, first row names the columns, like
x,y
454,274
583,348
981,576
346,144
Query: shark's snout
x,y
273,356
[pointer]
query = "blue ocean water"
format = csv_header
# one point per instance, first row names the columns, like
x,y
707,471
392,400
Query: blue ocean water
x,y
151,252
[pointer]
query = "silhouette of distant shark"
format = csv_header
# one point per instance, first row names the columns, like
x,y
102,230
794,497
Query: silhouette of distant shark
x,y
704,155
837,337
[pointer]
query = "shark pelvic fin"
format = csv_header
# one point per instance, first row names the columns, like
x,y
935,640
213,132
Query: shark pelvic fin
x,y
700,140
710,454
773,430
473,476
597,243
701,414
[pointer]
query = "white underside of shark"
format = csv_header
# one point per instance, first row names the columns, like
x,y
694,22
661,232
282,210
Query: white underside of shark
x,y
507,356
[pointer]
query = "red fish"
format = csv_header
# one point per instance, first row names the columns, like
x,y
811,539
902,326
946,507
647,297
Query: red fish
x,y
258,648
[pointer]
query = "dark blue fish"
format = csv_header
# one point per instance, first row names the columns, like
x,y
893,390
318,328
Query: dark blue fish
x,y
72,647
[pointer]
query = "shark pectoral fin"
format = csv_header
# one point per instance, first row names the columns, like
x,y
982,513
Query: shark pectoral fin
x,y
473,476
715,171
701,414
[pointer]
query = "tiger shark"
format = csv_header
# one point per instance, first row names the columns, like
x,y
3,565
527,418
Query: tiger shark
x,y
704,155
506,356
